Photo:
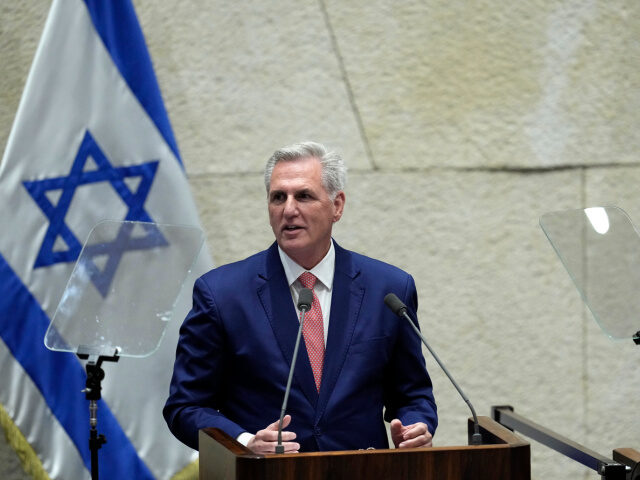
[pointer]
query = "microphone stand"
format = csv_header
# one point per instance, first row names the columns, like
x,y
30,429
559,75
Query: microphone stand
x,y
400,309
304,305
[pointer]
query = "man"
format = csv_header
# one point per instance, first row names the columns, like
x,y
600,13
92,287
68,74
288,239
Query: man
x,y
356,358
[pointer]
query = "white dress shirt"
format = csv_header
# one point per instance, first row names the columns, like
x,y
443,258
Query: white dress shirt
x,y
323,271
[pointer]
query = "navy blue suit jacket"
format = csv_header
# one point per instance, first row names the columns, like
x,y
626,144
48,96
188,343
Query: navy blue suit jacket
x,y
236,345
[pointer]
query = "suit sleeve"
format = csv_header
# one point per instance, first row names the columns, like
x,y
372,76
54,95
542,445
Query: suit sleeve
x,y
197,387
409,391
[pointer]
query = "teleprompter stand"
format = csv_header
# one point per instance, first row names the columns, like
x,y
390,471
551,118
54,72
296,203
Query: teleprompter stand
x,y
119,300
600,249
625,464
92,391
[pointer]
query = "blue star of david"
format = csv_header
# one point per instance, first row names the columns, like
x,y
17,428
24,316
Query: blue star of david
x,y
68,184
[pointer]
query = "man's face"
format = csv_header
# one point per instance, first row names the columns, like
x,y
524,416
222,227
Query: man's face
x,y
301,213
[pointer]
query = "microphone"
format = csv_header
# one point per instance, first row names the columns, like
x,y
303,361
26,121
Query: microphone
x,y
305,299
400,309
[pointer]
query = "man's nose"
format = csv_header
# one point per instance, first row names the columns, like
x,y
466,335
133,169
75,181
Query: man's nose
x,y
290,207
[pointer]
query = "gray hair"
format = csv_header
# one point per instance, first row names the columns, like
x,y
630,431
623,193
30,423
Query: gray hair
x,y
334,171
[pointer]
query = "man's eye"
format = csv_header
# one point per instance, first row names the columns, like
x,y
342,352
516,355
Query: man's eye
x,y
277,197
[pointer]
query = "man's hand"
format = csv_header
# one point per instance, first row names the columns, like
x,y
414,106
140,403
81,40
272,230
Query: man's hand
x,y
410,436
265,441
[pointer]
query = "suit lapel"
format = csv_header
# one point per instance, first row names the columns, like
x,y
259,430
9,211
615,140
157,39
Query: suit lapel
x,y
346,301
276,300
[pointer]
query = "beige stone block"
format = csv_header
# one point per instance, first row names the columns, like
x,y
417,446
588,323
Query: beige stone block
x,y
241,79
495,303
233,214
21,25
238,79
480,83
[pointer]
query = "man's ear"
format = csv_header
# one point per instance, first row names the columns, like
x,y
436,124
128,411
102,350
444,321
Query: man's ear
x,y
338,205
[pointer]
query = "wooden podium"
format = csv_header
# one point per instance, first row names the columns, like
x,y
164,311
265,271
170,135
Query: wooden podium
x,y
505,456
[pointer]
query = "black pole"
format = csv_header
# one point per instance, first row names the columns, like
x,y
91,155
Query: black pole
x,y
92,391
95,442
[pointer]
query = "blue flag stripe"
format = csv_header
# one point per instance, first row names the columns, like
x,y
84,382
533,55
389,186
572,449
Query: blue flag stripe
x,y
118,27
23,324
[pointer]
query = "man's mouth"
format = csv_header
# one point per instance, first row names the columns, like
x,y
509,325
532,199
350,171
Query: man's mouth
x,y
292,228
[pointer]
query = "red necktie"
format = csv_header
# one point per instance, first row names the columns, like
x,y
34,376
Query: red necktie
x,y
313,329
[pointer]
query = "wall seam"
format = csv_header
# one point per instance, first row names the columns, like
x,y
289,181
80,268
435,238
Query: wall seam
x,y
347,83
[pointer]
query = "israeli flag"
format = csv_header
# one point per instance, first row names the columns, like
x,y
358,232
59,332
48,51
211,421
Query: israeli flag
x,y
91,141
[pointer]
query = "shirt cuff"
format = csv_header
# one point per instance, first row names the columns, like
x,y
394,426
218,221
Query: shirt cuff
x,y
244,438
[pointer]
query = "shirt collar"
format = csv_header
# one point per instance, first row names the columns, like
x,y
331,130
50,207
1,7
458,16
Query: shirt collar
x,y
323,271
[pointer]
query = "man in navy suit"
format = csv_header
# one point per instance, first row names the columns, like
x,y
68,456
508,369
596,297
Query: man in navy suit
x,y
237,342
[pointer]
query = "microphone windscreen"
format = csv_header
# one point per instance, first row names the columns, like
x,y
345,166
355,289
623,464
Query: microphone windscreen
x,y
394,303
305,299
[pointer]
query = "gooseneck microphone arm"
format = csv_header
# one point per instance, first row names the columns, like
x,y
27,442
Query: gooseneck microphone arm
x,y
400,309
305,299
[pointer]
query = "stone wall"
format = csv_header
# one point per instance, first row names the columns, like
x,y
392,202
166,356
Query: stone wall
x,y
462,123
